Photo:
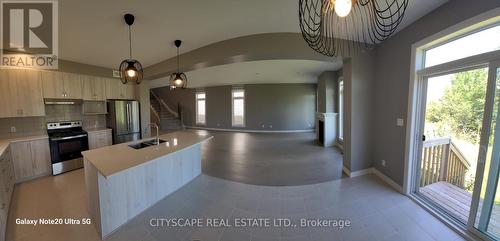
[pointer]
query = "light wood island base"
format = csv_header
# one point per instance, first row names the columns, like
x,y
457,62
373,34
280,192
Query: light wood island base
x,y
117,198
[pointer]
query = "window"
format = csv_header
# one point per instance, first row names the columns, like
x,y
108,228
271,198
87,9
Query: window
x,y
238,96
200,108
341,109
473,44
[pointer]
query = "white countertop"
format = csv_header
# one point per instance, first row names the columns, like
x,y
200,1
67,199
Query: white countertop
x,y
116,158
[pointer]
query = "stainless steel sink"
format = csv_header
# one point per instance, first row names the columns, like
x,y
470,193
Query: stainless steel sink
x,y
145,144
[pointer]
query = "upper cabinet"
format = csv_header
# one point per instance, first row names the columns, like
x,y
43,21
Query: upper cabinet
x,y
21,93
116,90
93,88
57,85
72,85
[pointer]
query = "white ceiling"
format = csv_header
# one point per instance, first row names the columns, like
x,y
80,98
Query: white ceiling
x,y
93,31
256,72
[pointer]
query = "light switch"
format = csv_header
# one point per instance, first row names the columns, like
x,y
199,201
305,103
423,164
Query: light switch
x,y
400,122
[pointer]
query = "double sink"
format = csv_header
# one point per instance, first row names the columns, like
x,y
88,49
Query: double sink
x,y
145,144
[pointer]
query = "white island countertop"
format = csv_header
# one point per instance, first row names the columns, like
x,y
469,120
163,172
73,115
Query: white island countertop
x,y
116,158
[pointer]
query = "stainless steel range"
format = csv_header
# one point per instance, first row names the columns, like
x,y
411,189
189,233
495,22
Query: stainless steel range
x,y
67,141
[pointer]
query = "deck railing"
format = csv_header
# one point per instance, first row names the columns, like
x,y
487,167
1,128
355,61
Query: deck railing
x,y
442,161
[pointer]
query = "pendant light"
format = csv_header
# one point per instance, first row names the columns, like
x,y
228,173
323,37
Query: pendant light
x,y
130,69
178,79
340,27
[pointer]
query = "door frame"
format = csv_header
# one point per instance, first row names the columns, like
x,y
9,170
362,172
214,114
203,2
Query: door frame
x,y
417,86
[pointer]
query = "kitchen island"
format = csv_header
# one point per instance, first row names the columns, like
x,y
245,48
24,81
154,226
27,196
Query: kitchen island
x,y
122,181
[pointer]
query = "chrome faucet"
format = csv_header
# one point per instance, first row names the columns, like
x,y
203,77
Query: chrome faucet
x,y
157,133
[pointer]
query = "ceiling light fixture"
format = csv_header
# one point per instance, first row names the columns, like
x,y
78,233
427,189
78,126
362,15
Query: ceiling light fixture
x,y
178,79
339,27
130,69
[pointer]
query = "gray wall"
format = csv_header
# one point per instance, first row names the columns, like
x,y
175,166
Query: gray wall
x,y
392,80
358,72
327,91
282,106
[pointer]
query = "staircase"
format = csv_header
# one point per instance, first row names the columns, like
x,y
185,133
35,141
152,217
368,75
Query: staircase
x,y
162,115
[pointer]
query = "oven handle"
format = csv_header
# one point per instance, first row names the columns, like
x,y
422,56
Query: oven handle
x,y
68,137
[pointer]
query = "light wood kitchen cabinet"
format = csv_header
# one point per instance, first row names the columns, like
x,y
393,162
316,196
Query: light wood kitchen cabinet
x,y
93,88
21,157
118,91
21,93
57,85
72,85
53,85
7,98
31,159
40,157
98,139
6,190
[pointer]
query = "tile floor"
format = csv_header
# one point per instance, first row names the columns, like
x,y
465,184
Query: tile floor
x,y
376,211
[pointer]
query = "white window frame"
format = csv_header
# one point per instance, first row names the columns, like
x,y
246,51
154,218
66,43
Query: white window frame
x,y
196,99
232,106
341,110
417,74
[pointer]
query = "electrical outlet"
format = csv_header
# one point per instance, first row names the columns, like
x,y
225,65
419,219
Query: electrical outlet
x,y
400,122
271,126
218,124
263,126
383,163
12,129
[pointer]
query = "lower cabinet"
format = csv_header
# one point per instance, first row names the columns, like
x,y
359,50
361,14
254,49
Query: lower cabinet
x,y
98,139
6,189
31,159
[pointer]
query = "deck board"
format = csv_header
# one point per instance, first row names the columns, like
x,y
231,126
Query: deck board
x,y
457,202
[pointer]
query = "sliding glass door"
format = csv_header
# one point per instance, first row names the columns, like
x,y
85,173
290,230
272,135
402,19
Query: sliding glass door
x,y
454,106
487,197
459,151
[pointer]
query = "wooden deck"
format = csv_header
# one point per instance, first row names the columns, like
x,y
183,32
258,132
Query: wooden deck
x,y
457,201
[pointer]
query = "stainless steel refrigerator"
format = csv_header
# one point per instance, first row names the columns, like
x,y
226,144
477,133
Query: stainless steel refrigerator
x,y
123,117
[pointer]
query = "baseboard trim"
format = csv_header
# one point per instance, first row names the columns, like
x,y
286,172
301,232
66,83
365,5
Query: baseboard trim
x,y
379,174
247,130
388,180
361,172
346,171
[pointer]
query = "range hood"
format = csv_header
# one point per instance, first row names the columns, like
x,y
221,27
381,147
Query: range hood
x,y
63,102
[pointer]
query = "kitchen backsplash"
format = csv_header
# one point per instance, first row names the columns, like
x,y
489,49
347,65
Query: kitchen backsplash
x,y
32,126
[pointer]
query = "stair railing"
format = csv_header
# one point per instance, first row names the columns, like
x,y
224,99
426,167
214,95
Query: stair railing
x,y
181,116
156,115
164,105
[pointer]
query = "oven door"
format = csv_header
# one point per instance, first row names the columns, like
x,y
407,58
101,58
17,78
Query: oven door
x,y
66,153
